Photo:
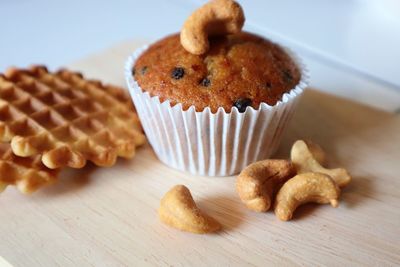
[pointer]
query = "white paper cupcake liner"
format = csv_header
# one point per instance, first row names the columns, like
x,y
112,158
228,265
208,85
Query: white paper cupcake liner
x,y
213,144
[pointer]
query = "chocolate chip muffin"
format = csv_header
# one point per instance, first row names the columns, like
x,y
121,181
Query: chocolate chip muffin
x,y
239,70
214,99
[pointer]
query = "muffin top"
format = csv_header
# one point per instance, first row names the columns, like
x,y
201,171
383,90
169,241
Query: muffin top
x,y
239,70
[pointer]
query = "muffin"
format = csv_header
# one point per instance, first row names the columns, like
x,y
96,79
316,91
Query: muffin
x,y
215,111
239,70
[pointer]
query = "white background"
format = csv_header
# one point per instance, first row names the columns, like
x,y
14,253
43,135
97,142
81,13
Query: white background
x,y
352,47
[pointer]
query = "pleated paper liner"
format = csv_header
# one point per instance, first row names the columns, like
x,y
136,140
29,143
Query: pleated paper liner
x,y
212,144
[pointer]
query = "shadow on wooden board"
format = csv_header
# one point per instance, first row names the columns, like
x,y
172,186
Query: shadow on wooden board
x,y
342,127
354,136
71,180
330,120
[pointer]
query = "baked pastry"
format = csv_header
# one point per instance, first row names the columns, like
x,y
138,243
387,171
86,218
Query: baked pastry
x,y
27,174
66,119
239,70
214,99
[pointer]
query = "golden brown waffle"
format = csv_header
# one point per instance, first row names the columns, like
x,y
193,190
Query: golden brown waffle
x,y
27,174
66,119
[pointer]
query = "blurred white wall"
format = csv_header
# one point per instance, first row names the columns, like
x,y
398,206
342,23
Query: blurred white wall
x,y
355,35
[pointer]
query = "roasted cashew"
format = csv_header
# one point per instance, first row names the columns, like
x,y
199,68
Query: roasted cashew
x,y
178,210
317,151
258,182
217,17
305,161
304,188
3,186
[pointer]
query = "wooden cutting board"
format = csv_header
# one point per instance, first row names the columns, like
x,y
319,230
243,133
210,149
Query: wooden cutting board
x,y
107,217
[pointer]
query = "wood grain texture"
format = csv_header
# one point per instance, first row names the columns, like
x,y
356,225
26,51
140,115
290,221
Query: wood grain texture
x,y
107,217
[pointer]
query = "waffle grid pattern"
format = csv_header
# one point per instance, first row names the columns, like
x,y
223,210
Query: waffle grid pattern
x,y
66,119
27,174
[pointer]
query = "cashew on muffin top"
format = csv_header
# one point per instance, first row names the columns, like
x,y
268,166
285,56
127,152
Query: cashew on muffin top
x,y
239,70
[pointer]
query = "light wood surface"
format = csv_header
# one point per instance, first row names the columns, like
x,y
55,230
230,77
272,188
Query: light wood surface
x,y
107,217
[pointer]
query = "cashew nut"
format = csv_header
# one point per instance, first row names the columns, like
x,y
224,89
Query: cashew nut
x,y
218,17
305,161
3,186
316,151
178,210
258,182
304,188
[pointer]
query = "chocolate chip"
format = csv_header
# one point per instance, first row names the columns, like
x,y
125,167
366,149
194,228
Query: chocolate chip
x,y
133,71
242,104
196,67
205,82
268,85
287,76
144,70
177,73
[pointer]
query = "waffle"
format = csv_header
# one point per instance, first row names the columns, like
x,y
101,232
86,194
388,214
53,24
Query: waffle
x,y
27,174
66,119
